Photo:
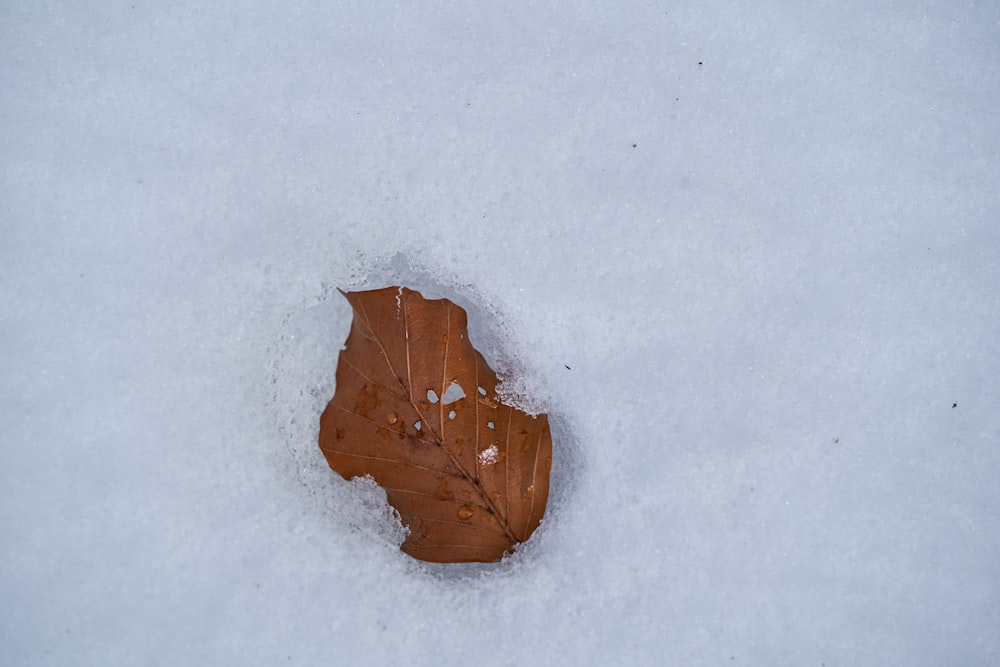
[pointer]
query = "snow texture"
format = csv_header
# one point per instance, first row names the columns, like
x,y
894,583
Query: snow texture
x,y
488,456
745,255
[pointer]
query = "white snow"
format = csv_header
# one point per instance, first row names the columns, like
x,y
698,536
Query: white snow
x,y
488,456
745,255
453,393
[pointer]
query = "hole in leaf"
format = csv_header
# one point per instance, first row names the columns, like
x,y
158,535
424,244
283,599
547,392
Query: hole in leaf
x,y
490,425
453,393
417,425
451,415
432,396
482,391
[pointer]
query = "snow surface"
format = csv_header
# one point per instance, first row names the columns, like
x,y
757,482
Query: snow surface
x,y
489,455
746,256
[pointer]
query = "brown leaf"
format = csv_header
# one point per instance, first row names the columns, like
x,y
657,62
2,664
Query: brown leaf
x,y
416,409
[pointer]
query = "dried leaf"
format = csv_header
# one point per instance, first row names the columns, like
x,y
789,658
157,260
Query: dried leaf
x,y
416,409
